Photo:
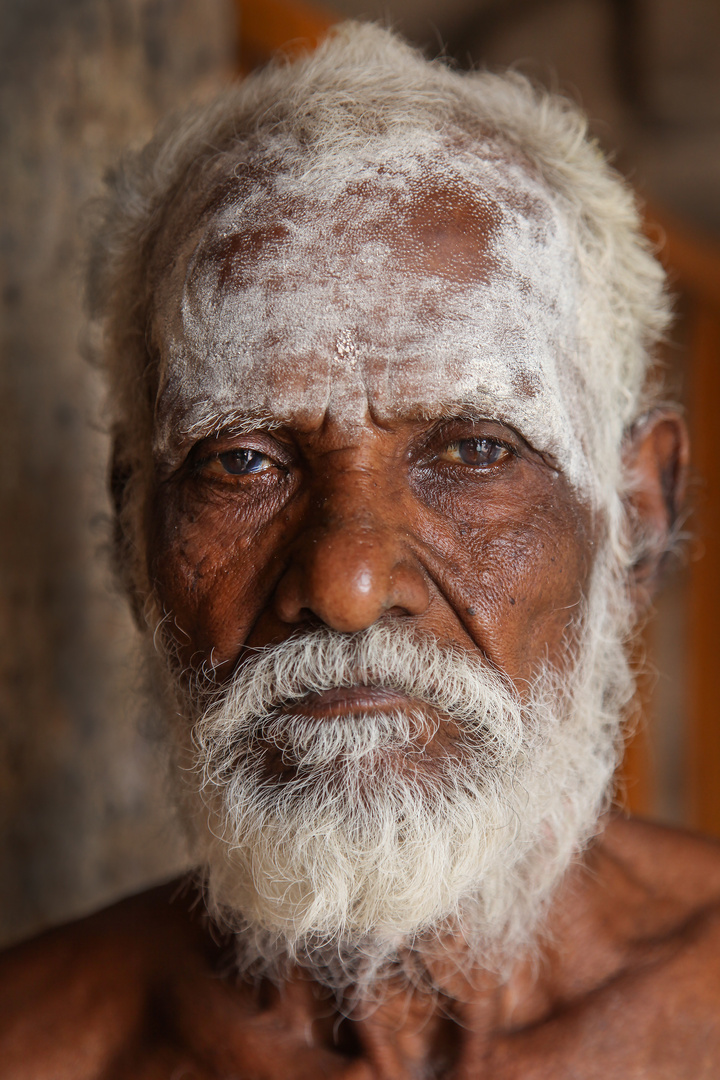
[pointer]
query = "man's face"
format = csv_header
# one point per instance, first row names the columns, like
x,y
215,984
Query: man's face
x,y
354,471
375,567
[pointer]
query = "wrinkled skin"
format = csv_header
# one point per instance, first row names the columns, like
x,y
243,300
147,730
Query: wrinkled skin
x,y
630,987
463,528
350,525
353,509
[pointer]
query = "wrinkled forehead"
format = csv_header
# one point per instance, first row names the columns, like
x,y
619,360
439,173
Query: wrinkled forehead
x,y
415,221
410,285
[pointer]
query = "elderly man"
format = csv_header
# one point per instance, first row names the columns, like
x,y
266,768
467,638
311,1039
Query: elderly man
x,y
392,485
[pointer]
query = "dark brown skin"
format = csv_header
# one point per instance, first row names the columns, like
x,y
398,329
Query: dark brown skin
x,y
464,530
629,988
356,524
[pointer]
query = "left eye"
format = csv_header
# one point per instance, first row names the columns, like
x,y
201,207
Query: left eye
x,y
240,463
475,452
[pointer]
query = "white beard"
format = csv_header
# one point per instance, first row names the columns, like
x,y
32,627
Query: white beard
x,y
364,845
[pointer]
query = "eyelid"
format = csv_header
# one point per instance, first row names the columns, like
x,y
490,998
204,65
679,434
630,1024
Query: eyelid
x,y
509,449
461,428
453,428
260,442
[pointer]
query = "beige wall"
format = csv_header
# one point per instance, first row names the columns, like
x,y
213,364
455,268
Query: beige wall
x,y
81,810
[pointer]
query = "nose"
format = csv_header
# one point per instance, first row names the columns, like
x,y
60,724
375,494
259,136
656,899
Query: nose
x,y
348,572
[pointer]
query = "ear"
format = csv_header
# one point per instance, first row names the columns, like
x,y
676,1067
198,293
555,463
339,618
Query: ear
x,y
655,457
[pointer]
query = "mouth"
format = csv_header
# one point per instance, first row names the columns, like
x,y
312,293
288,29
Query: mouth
x,y
345,701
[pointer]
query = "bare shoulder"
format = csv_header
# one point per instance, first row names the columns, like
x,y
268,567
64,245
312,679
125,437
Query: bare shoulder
x,y
640,915
673,864
657,922
659,889
144,990
72,998
635,973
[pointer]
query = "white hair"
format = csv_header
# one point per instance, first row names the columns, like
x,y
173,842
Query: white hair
x,y
361,86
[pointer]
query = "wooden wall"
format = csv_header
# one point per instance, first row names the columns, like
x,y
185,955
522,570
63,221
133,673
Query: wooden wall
x,y
82,818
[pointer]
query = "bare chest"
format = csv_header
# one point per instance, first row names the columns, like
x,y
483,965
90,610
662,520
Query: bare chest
x,y
657,1038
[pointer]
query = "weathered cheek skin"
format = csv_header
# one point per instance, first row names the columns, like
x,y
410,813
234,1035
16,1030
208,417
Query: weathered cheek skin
x,y
506,561
514,569
210,561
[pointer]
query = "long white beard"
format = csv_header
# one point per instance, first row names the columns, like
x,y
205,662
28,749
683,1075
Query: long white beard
x,y
362,844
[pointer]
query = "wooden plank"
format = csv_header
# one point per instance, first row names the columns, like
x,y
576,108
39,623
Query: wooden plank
x,y
704,663
692,262
636,779
693,266
269,25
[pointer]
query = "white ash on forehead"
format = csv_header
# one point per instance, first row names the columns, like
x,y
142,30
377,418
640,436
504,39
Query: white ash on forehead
x,y
405,286
363,94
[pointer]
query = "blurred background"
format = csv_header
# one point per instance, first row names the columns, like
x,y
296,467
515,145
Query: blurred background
x,y
82,810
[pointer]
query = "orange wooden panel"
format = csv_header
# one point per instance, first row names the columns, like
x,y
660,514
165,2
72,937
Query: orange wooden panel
x,y
636,784
693,266
704,644
636,780
269,25
693,263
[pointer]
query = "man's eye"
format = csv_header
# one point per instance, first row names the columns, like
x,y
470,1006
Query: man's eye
x,y
239,463
478,453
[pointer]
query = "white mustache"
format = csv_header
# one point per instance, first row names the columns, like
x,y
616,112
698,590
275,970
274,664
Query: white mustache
x,y
456,684
370,837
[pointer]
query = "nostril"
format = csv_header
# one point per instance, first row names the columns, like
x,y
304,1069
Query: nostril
x,y
307,616
348,580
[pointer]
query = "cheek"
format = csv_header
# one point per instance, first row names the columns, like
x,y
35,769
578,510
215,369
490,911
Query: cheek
x,y
547,577
205,566
516,571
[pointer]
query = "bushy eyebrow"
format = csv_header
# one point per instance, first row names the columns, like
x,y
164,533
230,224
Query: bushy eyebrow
x,y
233,422
213,422
466,413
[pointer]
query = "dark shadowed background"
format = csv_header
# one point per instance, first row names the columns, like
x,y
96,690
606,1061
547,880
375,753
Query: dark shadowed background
x,y
82,815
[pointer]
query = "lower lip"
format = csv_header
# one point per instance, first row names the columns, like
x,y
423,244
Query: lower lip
x,y
345,701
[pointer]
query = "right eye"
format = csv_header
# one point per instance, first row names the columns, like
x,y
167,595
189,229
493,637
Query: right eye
x,y
242,462
479,454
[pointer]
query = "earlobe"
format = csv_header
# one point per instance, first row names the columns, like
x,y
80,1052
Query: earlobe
x,y
655,459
